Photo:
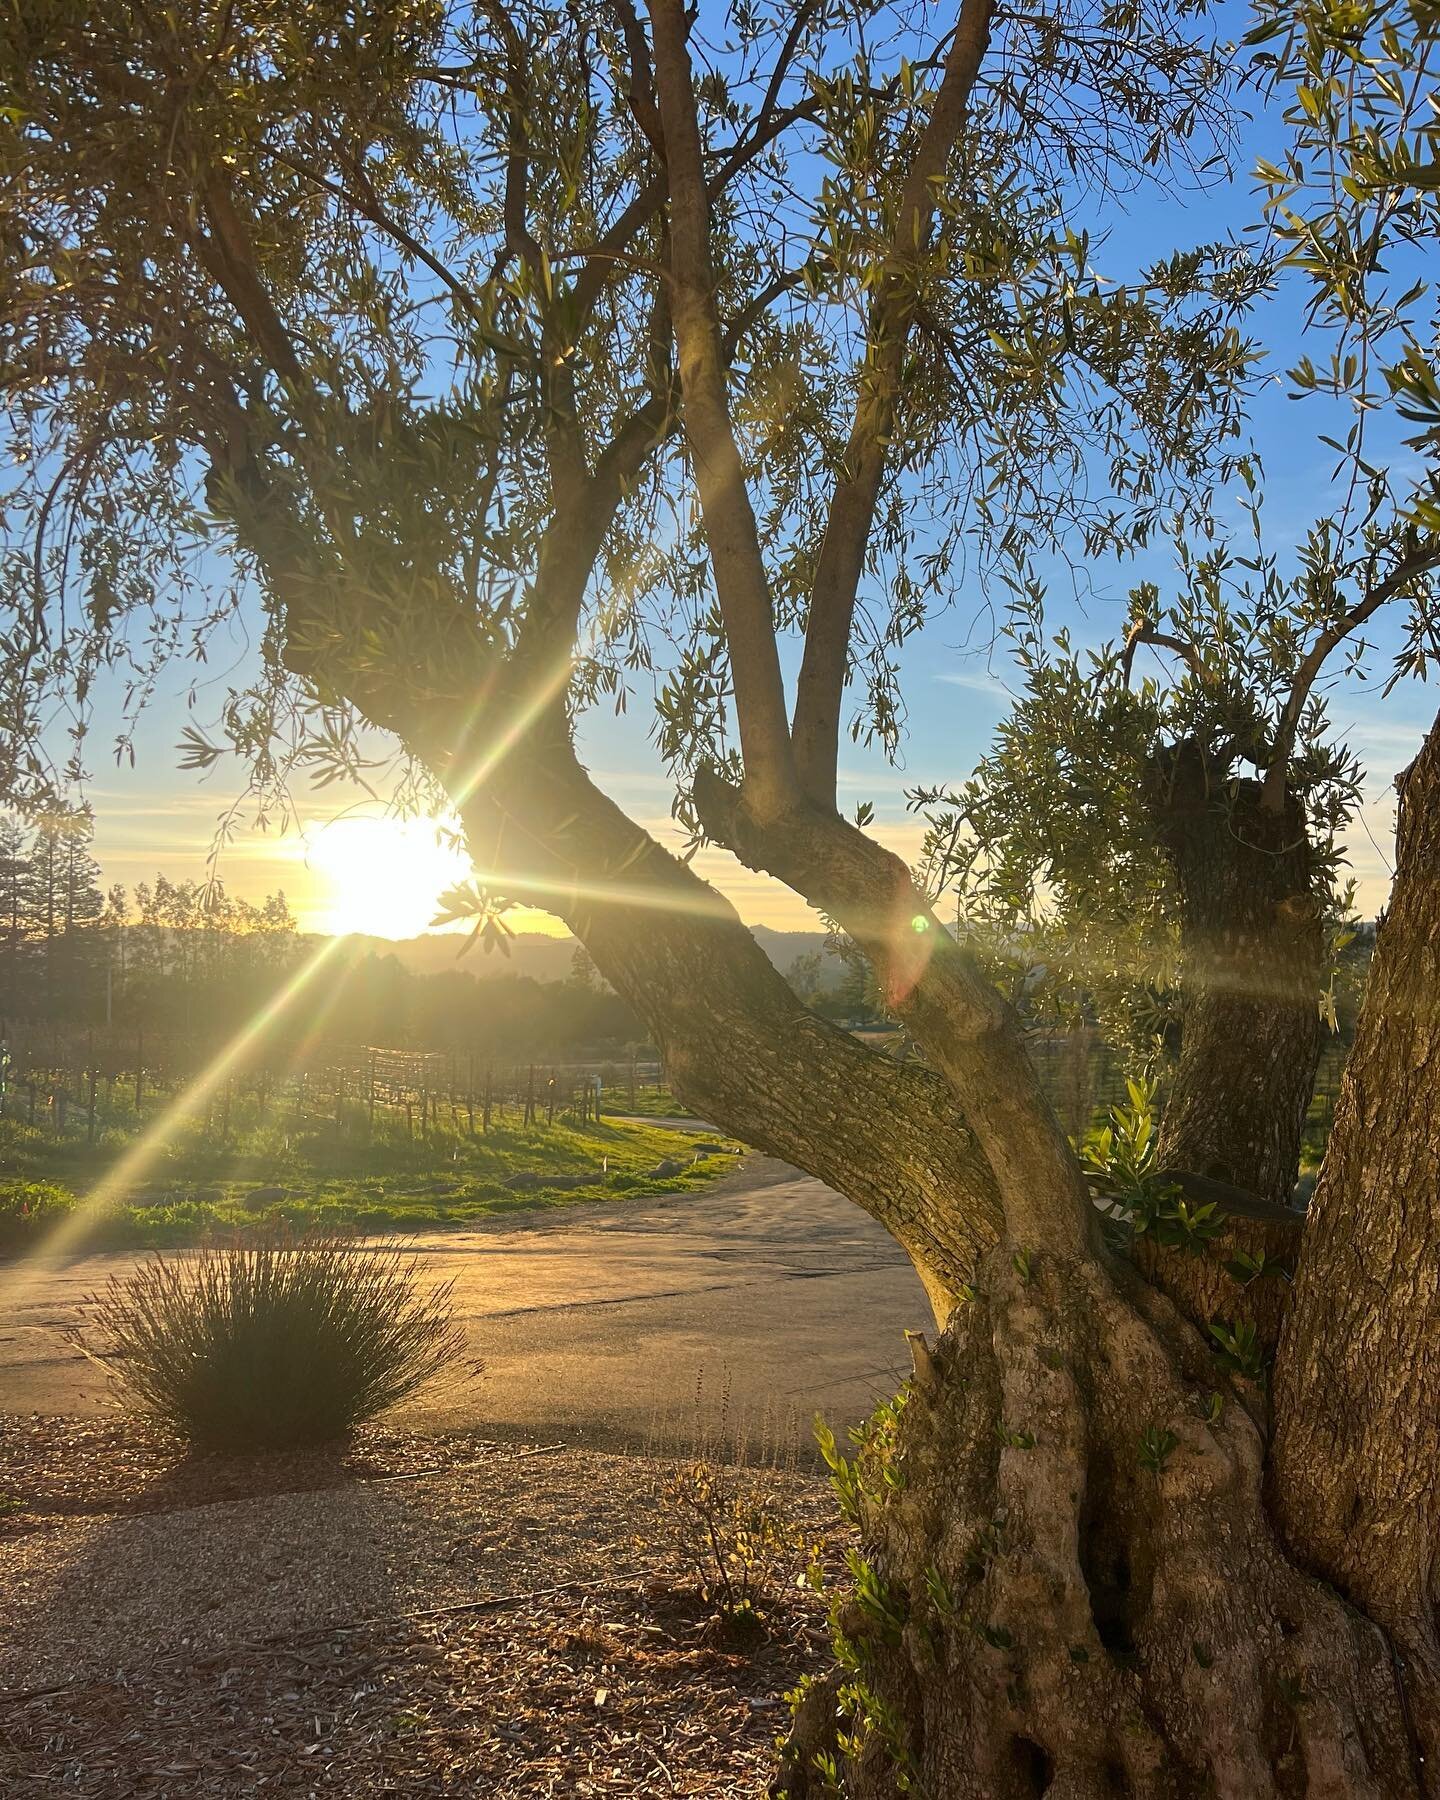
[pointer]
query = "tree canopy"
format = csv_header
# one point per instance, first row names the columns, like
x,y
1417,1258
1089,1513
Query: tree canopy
x,y
376,300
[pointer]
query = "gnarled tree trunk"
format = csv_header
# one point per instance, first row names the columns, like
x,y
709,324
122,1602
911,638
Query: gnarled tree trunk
x,y
1253,946
1073,1586
1356,1465
1250,1028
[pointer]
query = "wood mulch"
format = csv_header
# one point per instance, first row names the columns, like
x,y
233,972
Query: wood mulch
x,y
57,1467
567,1656
593,1694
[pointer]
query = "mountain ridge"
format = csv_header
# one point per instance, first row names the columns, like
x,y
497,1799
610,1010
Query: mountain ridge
x,y
537,954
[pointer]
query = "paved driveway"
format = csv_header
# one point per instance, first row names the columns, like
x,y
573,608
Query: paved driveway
x,y
743,1308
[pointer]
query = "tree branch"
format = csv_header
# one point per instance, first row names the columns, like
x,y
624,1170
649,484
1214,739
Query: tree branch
x,y
734,541
732,160
564,440
641,95
229,258
1143,632
738,1043
1419,560
933,983
367,204
852,508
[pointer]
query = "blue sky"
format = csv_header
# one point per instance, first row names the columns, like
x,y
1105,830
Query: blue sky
x,y
954,677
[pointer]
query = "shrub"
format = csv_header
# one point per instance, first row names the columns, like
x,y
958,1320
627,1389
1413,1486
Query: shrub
x,y
733,1534
276,1340
28,1209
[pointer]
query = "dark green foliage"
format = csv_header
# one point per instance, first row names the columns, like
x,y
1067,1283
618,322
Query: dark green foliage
x,y
52,947
276,1341
28,1209
1237,1348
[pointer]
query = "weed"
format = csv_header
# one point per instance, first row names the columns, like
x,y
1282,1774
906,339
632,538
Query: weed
x,y
1236,1347
28,1209
1156,1448
733,1532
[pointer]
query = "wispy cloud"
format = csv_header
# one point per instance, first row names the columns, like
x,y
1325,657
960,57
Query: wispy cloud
x,y
1398,742
876,781
980,684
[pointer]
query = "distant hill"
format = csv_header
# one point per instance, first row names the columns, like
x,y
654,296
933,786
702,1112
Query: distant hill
x,y
548,958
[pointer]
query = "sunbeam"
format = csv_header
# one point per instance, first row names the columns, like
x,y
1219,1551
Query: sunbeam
x,y
132,1166
475,777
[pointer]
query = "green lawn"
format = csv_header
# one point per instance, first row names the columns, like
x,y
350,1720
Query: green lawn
x,y
650,1103
194,1184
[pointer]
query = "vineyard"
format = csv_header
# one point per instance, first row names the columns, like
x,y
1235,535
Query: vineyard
x,y
92,1094
79,1085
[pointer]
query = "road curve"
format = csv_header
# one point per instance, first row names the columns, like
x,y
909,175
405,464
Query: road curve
x,y
735,1312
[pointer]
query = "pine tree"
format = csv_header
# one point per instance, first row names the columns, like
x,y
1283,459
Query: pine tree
x,y
14,867
62,904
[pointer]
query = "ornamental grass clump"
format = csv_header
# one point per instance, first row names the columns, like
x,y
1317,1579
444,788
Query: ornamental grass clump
x,y
276,1340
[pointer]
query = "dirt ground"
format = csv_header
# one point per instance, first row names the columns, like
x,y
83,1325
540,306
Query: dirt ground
x,y
446,1616
484,1596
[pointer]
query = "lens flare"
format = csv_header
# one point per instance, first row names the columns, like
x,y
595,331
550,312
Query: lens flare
x,y
462,786
137,1160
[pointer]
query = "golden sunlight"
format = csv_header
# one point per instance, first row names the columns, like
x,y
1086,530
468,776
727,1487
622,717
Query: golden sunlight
x,y
381,877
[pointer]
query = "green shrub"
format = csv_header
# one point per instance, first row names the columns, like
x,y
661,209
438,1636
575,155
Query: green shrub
x,y
276,1340
734,1535
28,1209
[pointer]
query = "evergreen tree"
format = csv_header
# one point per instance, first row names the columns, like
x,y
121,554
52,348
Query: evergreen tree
x,y
60,904
14,866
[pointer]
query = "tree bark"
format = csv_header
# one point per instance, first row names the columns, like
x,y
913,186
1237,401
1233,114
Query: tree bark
x,y
739,1047
1070,1586
1252,948
1073,1586
962,1023
1250,1029
1356,1461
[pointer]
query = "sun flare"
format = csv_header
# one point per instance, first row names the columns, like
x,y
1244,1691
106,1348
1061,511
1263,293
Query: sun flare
x,y
381,877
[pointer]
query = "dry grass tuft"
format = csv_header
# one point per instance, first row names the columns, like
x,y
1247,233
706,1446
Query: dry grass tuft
x,y
276,1340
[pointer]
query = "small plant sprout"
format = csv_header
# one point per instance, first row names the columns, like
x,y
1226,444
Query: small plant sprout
x,y
886,1607
734,1537
938,1588
1246,1266
1237,1348
1120,1162
1156,1445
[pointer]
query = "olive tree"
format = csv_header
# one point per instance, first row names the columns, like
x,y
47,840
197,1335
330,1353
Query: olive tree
x,y
515,358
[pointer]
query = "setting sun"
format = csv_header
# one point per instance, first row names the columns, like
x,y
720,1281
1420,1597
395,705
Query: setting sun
x,y
381,877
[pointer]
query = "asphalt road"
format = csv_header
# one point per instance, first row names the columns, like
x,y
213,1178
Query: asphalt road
x,y
738,1311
